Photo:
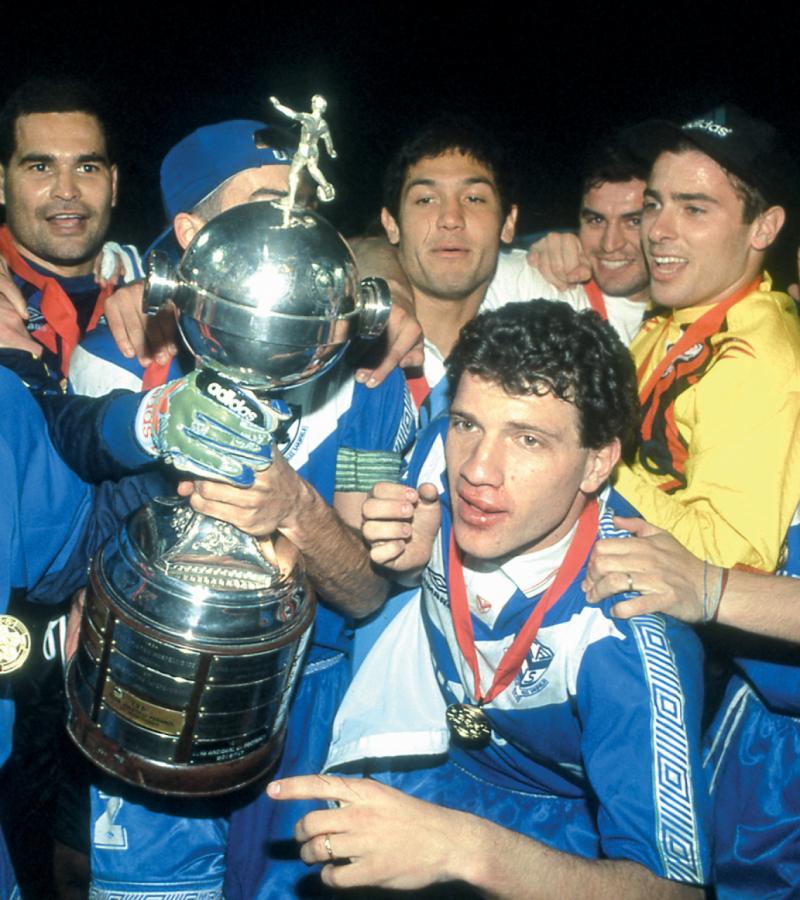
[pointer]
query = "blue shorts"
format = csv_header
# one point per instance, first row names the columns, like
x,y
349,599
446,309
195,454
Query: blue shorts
x,y
753,767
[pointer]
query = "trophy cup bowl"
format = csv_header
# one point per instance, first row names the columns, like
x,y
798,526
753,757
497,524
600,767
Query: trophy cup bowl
x,y
266,304
193,632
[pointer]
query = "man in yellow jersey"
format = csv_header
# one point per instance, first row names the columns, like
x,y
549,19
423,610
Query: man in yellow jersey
x,y
719,382
719,360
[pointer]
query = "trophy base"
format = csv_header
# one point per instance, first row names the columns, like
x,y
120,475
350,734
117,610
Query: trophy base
x,y
182,686
209,780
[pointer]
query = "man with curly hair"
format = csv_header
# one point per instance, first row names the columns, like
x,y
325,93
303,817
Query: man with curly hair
x,y
522,736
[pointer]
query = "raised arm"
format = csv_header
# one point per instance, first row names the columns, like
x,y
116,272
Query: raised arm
x,y
139,335
404,340
289,113
321,514
560,259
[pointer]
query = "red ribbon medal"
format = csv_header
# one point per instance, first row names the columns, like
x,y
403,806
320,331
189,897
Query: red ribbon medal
x,y
655,405
469,724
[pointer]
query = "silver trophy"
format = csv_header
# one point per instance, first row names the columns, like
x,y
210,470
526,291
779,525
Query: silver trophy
x,y
193,632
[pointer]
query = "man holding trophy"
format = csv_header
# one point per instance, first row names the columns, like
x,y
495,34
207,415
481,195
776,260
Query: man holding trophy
x,y
265,306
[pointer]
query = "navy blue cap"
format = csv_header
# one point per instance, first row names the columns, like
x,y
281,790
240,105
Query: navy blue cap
x,y
751,149
202,161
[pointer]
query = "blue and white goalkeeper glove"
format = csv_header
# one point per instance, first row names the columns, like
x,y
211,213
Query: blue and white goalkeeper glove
x,y
209,426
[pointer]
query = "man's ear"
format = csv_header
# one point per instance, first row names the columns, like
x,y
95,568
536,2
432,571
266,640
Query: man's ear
x,y
186,225
766,227
599,466
114,176
390,226
509,226
3,185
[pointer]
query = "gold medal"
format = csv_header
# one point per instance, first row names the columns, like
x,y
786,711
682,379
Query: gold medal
x,y
469,725
15,644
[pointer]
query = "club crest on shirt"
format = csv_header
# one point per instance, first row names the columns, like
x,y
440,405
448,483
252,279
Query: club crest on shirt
x,y
530,679
687,356
482,604
290,434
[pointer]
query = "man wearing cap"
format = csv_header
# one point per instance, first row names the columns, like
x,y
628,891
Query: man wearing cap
x,y
341,437
718,363
719,381
212,169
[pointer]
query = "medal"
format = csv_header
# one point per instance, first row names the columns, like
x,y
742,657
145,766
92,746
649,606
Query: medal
x,y
15,644
469,725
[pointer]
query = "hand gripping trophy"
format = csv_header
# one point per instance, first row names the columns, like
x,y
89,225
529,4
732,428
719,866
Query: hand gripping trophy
x,y
193,632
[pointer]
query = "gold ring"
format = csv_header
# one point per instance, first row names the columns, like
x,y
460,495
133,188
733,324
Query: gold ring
x,y
327,845
630,582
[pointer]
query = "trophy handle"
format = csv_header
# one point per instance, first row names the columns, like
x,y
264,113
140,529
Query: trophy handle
x,y
376,304
161,283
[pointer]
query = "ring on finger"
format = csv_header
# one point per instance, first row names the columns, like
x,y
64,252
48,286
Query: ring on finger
x,y
630,582
327,845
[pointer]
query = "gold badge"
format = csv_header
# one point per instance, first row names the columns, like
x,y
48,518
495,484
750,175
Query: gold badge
x,y
15,644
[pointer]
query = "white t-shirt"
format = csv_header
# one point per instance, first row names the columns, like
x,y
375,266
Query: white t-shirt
x,y
516,279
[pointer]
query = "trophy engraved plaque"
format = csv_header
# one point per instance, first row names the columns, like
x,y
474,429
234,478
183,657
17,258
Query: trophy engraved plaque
x,y
193,632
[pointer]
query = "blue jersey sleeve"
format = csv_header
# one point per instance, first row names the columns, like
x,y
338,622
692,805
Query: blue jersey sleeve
x,y
380,418
639,702
95,435
46,504
52,520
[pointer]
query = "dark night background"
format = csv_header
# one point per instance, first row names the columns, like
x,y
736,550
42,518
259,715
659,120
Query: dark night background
x,y
549,78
